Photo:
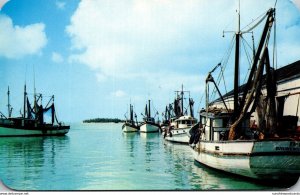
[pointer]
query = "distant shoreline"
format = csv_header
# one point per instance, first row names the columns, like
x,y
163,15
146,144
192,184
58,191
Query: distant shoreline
x,y
103,120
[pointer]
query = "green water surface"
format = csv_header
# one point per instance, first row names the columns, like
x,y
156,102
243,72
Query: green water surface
x,y
101,157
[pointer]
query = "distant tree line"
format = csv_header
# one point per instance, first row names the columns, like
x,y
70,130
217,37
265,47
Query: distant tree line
x,y
103,120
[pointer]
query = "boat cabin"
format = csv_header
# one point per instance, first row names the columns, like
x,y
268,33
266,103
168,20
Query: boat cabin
x,y
185,122
216,126
149,120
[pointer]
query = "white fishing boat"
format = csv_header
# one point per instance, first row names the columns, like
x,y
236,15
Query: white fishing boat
x,y
178,129
32,122
149,125
225,140
130,125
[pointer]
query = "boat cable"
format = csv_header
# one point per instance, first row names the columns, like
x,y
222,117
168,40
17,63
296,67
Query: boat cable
x,y
275,43
224,62
200,102
247,56
156,111
228,52
260,18
40,94
2,115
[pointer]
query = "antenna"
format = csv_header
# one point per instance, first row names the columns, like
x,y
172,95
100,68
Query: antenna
x,y
25,74
275,3
239,17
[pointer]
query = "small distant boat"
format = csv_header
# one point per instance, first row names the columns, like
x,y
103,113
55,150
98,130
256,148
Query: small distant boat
x,y
32,121
130,125
178,130
149,125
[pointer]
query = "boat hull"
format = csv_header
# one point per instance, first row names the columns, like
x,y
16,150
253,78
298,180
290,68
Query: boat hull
x,y
149,128
178,136
255,159
54,131
129,128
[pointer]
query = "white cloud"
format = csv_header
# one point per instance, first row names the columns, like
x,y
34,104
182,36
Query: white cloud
x,y
57,58
297,3
100,77
118,94
114,35
126,39
60,5
17,41
2,3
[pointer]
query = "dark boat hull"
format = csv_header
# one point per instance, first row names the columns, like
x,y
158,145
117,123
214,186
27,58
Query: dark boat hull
x,y
11,131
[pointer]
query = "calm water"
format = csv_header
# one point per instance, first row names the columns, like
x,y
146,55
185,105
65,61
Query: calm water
x,y
101,157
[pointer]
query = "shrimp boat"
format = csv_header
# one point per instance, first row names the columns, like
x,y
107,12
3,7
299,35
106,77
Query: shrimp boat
x,y
179,127
130,125
149,125
32,122
166,118
228,140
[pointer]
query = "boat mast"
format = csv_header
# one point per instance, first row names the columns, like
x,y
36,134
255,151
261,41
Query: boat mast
x,y
260,54
8,104
182,100
236,67
25,95
179,97
131,113
149,111
192,108
269,22
34,95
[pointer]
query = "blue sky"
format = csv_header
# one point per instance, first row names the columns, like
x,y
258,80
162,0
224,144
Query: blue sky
x,y
97,56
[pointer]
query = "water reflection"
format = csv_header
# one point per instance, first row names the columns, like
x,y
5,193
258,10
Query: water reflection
x,y
149,136
180,163
129,135
131,145
149,144
202,177
101,157
24,159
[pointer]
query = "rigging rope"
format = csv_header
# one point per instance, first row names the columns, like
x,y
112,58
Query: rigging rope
x,y
221,75
200,102
222,72
275,44
224,63
156,111
247,55
255,25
